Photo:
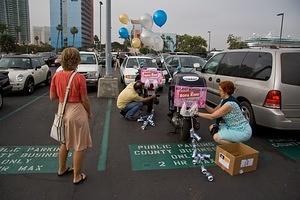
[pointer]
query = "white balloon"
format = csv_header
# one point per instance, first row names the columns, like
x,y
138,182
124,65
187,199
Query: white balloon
x,y
146,21
147,37
158,43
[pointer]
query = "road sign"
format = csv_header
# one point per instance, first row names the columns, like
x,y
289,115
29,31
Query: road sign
x,y
168,156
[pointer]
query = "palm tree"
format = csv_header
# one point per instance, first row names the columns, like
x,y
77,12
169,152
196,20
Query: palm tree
x,y
18,30
36,38
3,28
59,29
74,31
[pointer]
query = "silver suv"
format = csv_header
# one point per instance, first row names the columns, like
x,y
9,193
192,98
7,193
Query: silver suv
x,y
267,84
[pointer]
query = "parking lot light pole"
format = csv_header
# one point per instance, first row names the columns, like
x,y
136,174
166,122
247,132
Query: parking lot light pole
x,y
282,15
208,41
100,41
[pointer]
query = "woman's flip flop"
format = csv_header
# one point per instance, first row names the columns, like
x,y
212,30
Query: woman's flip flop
x,y
83,178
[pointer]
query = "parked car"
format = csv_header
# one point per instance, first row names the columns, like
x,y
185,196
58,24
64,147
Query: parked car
x,y
89,67
267,84
57,61
183,62
48,57
5,86
130,66
25,72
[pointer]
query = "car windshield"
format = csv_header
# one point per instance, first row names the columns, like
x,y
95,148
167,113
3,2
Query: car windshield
x,y
22,63
147,62
87,59
188,62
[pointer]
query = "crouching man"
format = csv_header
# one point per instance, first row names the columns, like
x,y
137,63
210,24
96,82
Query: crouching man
x,y
130,102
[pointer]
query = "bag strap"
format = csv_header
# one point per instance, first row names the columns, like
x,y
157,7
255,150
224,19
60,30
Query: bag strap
x,y
67,92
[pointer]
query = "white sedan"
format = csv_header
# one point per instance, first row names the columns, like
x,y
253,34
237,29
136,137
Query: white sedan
x,y
25,72
132,64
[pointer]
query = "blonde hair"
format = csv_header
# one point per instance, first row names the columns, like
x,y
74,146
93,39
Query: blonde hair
x,y
70,58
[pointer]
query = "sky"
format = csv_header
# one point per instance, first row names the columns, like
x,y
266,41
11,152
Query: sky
x,y
241,18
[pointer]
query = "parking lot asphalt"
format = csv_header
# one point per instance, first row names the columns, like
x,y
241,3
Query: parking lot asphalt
x,y
25,123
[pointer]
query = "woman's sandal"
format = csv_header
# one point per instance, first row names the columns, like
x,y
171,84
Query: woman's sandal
x,y
68,171
82,179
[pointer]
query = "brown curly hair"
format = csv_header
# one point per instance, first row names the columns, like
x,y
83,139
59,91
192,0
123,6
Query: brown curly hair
x,y
227,87
70,58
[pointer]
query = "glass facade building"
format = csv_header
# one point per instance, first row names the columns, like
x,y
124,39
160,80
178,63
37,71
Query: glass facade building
x,y
68,14
15,15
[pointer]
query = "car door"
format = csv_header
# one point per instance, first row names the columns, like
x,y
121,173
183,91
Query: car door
x,y
122,67
37,71
209,74
229,68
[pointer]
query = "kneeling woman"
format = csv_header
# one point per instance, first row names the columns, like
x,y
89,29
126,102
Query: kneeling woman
x,y
234,127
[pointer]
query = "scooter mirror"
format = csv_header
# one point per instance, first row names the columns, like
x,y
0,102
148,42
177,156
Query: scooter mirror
x,y
196,65
169,80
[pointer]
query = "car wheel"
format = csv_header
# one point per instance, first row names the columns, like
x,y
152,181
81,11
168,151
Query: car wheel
x,y
1,100
248,113
29,86
48,79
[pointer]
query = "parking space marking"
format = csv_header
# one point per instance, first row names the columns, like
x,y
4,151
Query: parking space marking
x,y
22,107
105,137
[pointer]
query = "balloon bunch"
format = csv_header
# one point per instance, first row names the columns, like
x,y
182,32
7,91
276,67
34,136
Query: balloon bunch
x,y
148,38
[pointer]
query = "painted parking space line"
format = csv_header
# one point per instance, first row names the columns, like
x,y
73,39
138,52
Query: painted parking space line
x,y
105,137
30,159
168,156
23,106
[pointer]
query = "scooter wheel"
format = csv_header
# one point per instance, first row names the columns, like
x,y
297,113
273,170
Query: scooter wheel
x,y
184,130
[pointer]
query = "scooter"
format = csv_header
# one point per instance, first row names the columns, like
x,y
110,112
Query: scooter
x,y
185,89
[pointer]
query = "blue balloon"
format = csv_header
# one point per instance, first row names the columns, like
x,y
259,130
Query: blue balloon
x,y
160,17
123,32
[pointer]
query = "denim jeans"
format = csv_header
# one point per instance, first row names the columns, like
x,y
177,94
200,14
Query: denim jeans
x,y
131,109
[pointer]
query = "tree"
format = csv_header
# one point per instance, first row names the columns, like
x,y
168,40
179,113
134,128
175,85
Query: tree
x,y
96,42
7,43
3,28
116,45
74,31
191,44
235,42
36,38
59,29
18,30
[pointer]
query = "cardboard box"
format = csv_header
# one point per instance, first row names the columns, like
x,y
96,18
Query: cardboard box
x,y
236,158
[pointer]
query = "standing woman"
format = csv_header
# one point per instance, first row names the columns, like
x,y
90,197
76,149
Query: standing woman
x,y
76,115
235,127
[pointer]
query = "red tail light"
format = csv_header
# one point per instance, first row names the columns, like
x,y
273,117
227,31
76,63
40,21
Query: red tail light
x,y
273,99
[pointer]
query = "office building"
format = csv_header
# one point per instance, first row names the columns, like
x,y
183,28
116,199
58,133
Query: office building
x,y
70,13
15,15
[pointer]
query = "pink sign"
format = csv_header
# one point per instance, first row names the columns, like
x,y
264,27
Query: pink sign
x,y
190,95
151,75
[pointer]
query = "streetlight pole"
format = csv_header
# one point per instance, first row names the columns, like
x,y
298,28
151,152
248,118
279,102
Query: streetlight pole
x,y
208,41
100,41
282,15
108,39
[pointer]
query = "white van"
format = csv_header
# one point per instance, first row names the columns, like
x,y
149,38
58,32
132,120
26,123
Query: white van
x,y
89,67
267,84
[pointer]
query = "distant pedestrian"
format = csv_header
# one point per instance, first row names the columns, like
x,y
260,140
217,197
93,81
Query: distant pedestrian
x,y
117,61
76,115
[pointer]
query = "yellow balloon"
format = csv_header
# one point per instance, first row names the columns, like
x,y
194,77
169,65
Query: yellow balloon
x,y
124,18
136,43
